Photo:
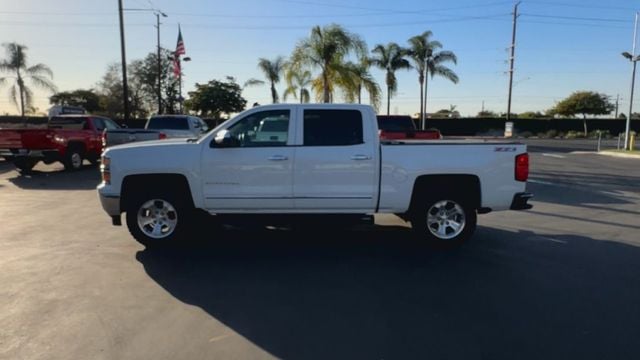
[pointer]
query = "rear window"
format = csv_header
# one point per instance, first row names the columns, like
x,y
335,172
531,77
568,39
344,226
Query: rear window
x,y
75,123
168,123
395,123
332,127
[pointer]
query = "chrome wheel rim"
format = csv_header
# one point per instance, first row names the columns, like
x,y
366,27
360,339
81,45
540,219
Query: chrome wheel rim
x,y
76,160
157,218
446,219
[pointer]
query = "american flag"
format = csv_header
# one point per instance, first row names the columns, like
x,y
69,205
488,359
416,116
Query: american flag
x,y
180,45
176,55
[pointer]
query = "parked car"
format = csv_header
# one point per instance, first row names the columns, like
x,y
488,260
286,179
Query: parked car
x,y
68,138
158,127
330,162
398,127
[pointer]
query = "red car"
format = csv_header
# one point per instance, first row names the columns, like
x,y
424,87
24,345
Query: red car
x,y
69,139
401,127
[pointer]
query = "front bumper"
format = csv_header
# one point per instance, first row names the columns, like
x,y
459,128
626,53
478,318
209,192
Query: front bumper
x,y
520,201
110,204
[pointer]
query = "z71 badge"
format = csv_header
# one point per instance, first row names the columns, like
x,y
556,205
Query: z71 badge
x,y
505,149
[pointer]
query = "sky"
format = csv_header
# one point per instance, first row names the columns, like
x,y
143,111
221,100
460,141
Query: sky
x,y
561,46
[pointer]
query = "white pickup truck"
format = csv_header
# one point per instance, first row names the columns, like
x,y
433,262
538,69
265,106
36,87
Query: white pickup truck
x,y
328,159
158,127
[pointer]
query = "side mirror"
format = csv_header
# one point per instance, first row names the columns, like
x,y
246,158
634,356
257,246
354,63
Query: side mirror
x,y
223,139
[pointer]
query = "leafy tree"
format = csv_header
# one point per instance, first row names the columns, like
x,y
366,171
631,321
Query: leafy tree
x,y
145,74
584,103
110,91
297,84
38,75
216,98
327,48
487,114
531,115
390,58
272,69
359,78
87,99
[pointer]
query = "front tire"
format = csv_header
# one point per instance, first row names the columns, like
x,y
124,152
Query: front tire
x,y
444,221
73,160
157,218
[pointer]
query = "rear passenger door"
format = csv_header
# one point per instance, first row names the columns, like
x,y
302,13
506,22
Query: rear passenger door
x,y
335,167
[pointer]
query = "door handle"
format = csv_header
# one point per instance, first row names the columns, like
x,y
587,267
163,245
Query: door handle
x,y
361,157
277,158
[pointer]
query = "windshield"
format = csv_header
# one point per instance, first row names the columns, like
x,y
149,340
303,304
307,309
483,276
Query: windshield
x,y
168,123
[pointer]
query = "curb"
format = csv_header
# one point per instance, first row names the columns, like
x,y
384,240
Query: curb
x,y
620,155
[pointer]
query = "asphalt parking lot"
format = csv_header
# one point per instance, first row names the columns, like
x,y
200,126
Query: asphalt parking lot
x,y
559,281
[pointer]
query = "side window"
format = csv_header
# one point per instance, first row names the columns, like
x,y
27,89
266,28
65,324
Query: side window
x,y
265,128
110,125
97,123
332,127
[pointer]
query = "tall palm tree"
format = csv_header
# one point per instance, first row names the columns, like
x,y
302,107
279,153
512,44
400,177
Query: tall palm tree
x,y
326,48
360,79
420,48
434,66
298,83
272,70
38,75
390,58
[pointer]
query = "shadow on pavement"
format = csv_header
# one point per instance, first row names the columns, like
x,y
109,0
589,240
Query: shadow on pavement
x,y
85,179
377,294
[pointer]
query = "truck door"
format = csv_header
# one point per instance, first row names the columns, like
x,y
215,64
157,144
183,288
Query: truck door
x,y
336,165
255,171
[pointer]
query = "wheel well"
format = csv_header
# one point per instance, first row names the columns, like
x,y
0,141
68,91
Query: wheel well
x,y
136,184
469,185
76,145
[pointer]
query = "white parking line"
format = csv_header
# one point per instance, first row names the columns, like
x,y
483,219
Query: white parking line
x,y
533,181
554,155
552,239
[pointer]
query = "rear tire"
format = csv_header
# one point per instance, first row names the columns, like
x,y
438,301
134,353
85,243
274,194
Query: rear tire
x,y
25,165
157,218
73,159
444,221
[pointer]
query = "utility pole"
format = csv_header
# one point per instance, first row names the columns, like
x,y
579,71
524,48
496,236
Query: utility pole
x,y
512,58
125,86
482,107
617,102
159,65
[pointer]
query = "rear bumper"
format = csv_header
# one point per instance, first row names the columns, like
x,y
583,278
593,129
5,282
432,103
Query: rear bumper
x,y
520,201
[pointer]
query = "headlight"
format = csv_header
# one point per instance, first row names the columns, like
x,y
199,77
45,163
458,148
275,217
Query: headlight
x,y
105,170
59,139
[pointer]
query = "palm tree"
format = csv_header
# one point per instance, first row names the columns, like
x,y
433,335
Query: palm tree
x,y
326,48
360,78
272,70
434,67
298,82
16,64
420,47
390,58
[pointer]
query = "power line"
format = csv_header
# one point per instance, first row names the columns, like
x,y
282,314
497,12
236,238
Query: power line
x,y
575,18
581,5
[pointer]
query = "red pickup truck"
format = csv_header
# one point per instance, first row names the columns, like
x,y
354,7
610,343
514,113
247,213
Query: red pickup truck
x,y
69,139
402,127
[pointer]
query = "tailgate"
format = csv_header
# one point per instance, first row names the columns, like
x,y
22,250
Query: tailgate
x,y
25,139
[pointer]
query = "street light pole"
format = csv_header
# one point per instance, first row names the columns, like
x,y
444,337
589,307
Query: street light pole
x,y
180,80
125,86
634,60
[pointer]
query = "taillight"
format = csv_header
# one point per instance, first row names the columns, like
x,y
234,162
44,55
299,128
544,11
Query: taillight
x,y
522,167
162,136
105,170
